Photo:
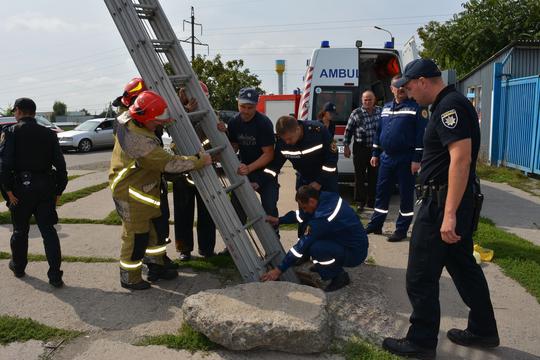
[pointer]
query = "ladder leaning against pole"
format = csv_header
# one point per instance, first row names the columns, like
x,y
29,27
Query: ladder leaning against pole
x,y
152,43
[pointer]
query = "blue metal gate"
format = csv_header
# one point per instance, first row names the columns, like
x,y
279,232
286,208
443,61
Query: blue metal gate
x,y
518,137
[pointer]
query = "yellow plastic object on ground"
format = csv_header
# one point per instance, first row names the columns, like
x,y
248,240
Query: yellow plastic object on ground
x,y
486,255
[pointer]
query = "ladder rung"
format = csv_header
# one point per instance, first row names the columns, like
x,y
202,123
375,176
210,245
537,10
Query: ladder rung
x,y
162,45
251,222
230,188
179,79
145,7
197,115
216,150
267,260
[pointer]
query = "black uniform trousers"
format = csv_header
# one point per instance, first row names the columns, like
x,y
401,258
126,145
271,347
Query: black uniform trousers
x,y
428,254
365,175
184,195
36,199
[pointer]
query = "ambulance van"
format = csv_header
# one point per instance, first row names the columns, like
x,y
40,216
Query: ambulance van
x,y
341,75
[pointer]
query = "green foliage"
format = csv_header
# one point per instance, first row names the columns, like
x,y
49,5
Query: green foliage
x,y
359,349
72,259
8,111
512,177
224,80
59,108
518,258
14,329
480,30
186,338
79,194
210,264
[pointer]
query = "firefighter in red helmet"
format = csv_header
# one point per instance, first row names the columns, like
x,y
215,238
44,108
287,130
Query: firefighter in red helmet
x,y
135,174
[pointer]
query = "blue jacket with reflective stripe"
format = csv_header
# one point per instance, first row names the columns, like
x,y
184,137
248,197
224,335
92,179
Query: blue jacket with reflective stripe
x,y
334,220
314,156
401,130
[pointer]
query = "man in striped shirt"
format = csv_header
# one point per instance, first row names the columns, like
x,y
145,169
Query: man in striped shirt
x,y
362,125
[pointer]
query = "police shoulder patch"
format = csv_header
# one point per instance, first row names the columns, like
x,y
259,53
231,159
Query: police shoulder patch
x,y
2,137
425,113
333,146
308,230
450,118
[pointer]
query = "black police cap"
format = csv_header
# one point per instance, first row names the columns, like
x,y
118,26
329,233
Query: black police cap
x,y
416,69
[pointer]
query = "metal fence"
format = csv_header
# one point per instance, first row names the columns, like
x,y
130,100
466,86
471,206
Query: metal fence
x,y
518,138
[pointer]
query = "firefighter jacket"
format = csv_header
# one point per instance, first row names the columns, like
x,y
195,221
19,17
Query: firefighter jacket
x,y
401,130
314,156
333,220
136,166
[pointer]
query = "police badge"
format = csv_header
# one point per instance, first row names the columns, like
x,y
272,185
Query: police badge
x,y
450,119
333,146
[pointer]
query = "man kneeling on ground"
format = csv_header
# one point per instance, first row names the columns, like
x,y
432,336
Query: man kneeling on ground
x,y
333,237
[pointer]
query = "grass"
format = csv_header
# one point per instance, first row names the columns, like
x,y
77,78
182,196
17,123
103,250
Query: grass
x,y
359,349
512,177
186,338
211,264
79,259
14,329
518,258
79,194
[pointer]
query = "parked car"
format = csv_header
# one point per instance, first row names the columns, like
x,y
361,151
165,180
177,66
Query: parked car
x,y
10,120
90,134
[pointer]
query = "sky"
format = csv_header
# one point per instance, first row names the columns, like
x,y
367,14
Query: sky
x,y
71,51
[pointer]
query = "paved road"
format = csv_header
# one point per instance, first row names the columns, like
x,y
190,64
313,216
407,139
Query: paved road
x,y
97,159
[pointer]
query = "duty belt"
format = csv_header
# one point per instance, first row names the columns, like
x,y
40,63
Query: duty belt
x,y
436,192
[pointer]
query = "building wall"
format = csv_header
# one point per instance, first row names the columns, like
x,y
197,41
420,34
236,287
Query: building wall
x,y
483,77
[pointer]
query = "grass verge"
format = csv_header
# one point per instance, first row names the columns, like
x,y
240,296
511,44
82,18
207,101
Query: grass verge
x,y
79,194
80,259
517,257
211,264
14,329
186,339
512,177
359,349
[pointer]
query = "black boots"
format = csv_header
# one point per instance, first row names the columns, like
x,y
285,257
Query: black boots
x,y
404,347
467,338
156,272
338,282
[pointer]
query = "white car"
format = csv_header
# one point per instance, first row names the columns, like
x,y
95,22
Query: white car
x,y
90,134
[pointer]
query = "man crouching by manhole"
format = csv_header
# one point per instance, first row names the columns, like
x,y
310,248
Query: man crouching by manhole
x,y
136,166
333,237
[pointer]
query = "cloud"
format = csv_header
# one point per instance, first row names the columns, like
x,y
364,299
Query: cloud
x,y
42,23
27,80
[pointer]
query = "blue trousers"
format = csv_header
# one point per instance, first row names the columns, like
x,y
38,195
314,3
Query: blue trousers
x,y
394,168
330,257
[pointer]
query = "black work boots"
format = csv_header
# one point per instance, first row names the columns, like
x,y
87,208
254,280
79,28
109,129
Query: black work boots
x,y
156,272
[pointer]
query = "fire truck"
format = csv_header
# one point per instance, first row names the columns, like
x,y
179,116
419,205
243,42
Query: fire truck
x,y
341,75
275,106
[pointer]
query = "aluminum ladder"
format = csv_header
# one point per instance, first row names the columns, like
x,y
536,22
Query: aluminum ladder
x,y
152,43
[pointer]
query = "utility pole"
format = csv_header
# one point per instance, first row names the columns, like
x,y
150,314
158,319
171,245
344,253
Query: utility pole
x,y
192,39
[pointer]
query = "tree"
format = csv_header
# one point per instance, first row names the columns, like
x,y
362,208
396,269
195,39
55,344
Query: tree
x,y
224,80
482,29
84,111
108,112
8,111
59,109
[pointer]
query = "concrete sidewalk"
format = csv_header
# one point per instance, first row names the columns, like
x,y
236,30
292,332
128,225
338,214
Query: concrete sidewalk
x,y
512,209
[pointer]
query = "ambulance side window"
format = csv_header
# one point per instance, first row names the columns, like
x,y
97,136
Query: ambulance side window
x,y
341,96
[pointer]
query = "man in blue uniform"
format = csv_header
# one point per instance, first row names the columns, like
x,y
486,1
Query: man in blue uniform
x,y
442,232
311,150
334,237
399,134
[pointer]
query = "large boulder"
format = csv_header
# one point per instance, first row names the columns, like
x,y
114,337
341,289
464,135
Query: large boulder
x,y
274,315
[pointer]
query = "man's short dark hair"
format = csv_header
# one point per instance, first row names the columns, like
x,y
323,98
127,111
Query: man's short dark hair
x,y
286,124
25,105
306,192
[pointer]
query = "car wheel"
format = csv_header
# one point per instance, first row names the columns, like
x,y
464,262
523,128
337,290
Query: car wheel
x,y
85,145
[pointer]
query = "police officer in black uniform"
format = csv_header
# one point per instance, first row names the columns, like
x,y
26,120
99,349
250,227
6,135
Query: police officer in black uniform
x,y
32,186
442,233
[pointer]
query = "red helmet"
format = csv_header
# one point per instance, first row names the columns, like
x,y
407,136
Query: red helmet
x,y
148,107
204,88
132,90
